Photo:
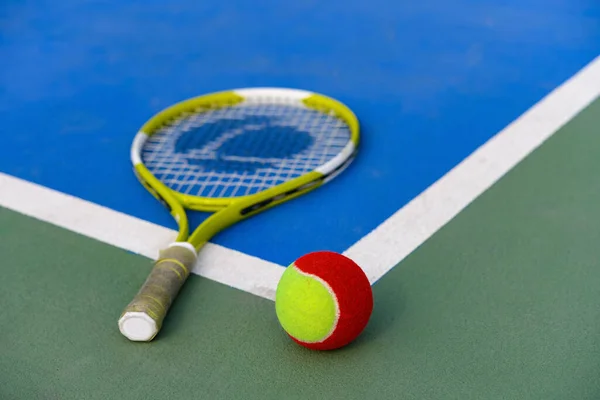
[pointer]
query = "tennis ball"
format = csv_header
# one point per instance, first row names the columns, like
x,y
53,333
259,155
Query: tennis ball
x,y
323,300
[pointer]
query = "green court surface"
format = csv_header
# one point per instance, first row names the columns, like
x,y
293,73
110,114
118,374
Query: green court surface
x,y
501,303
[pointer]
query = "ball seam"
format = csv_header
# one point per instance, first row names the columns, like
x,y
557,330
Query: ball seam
x,y
335,302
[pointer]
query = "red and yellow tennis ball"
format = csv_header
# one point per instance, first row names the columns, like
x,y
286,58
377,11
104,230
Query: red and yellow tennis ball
x,y
323,300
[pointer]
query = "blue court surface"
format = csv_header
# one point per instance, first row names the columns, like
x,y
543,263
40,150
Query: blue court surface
x,y
430,82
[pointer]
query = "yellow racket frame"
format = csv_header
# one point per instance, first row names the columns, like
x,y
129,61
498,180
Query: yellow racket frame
x,y
178,202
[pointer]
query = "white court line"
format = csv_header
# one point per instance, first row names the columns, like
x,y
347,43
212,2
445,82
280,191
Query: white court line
x,y
408,228
218,263
377,253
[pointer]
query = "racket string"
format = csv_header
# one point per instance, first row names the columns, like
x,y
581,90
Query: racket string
x,y
244,149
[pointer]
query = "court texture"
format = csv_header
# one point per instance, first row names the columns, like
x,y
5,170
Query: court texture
x,y
473,205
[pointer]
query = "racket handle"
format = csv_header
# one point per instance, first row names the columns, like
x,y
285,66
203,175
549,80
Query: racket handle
x,y
142,318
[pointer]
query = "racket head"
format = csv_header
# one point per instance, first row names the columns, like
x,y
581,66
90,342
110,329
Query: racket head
x,y
255,146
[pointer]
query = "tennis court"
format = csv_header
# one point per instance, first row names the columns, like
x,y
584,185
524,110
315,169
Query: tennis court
x,y
471,206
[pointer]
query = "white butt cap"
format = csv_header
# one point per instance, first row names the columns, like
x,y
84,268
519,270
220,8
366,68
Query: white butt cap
x,y
137,326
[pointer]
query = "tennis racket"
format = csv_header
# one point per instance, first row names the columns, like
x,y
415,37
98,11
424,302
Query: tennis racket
x,y
235,154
